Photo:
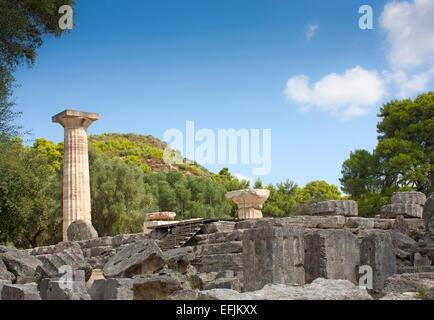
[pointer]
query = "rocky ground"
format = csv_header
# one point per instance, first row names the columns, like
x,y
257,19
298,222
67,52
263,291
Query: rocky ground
x,y
305,257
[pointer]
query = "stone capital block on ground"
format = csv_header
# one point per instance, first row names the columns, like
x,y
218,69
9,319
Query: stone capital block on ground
x,y
273,255
249,202
160,216
347,208
76,188
331,254
377,251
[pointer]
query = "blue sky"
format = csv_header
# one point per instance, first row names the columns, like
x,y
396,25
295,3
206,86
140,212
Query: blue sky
x,y
148,66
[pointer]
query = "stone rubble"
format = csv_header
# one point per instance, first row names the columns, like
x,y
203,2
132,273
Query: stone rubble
x,y
302,257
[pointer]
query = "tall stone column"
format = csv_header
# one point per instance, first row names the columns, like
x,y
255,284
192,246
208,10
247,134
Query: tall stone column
x,y
76,187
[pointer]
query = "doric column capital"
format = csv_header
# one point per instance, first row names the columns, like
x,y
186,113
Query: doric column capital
x,y
71,119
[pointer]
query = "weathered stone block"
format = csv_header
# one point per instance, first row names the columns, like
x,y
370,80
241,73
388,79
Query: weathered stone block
x,y
22,265
69,286
2,283
179,259
411,283
409,197
428,214
218,226
4,273
80,230
273,255
158,286
138,258
98,242
360,223
72,256
27,291
383,224
331,254
346,208
408,210
219,248
112,289
400,225
377,251
218,262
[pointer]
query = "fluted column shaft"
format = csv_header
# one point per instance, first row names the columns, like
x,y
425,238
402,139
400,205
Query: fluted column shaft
x,y
76,186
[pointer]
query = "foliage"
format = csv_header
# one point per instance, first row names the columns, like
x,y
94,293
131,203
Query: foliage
x,y
288,199
118,198
30,194
402,160
145,151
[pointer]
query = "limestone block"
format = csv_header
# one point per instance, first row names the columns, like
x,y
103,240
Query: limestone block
x,y
273,255
4,273
22,265
157,286
408,210
179,259
218,262
411,283
112,289
377,251
409,197
346,208
2,283
160,216
27,291
138,258
53,264
331,254
81,230
428,215
249,202
70,286
362,223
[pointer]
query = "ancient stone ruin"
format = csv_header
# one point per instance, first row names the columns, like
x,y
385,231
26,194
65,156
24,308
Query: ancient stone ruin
x,y
320,255
326,253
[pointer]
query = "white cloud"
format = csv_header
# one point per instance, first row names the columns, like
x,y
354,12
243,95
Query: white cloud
x,y
409,28
407,86
240,177
311,29
349,95
410,32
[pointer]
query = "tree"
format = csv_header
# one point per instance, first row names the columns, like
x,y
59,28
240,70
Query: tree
x,y
359,173
229,182
406,143
30,194
402,160
22,26
119,201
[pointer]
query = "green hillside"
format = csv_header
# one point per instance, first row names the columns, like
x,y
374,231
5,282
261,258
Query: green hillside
x,y
146,151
